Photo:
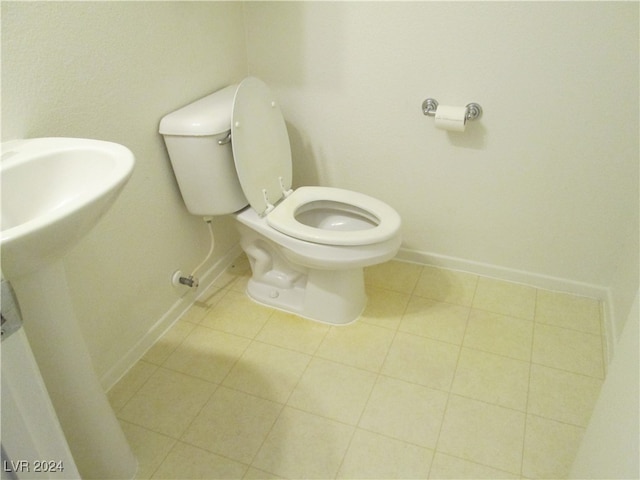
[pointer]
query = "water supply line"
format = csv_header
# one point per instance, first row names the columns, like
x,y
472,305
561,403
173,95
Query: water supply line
x,y
191,280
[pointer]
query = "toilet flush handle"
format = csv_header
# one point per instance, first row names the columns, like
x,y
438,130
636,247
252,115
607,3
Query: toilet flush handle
x,y
225,140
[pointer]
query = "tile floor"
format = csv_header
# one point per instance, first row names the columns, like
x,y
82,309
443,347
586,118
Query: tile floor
x,y
446,375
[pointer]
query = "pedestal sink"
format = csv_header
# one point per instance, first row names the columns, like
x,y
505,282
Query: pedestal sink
x,y
54,191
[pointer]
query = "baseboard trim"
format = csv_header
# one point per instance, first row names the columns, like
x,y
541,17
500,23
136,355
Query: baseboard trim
x,y
503,273
180,307
536,280
164,323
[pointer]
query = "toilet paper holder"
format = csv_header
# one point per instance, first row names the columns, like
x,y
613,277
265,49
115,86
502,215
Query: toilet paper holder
x,y
430,105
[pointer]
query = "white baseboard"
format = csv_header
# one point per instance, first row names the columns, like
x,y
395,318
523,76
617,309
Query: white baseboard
x,y
503,273
164,323
179,308
536,280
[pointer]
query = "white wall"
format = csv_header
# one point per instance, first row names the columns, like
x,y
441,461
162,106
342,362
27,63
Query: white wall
x,y
545,183
611,444
111,70
543,188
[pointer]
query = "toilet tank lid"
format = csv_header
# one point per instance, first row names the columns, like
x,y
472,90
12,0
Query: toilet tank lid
x,y
209,115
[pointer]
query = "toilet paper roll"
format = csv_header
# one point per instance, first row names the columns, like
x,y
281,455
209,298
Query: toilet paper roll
x,y
451,118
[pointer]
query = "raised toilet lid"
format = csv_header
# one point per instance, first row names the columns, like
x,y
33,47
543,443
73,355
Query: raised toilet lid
x,y
260,142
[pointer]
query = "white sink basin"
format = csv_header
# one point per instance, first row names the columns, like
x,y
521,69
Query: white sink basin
x,y
54,190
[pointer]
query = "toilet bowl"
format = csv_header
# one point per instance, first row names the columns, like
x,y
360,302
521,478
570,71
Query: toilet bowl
x,y
321,256
333,216
316,281
307,247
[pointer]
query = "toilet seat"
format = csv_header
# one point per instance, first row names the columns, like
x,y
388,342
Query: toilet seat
x,y
262,157
368,220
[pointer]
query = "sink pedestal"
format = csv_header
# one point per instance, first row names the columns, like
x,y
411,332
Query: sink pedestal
x,y
95,438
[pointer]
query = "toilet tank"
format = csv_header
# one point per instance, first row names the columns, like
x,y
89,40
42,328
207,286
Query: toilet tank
x,y
197,139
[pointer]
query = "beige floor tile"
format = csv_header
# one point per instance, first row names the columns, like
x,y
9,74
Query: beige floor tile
x,y
569,350
437,320
239,269
397,276
242,269
233,424
380,378
241,284
237,314
499,334
188,462
505,298
549,448
128,385
483,433
375,456
446,466
333,390
384,307
255,474
568,311
562,396
405,411
167,343
211,296
207,354
492,378
303,445
195,313
150,448
167,402
293,332
267,371
421,360
446,285
360,345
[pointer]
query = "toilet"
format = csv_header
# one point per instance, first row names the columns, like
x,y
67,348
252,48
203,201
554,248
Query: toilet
x,y
307,247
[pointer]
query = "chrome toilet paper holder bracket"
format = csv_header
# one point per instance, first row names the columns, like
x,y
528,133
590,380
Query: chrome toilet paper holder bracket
x,y
430,105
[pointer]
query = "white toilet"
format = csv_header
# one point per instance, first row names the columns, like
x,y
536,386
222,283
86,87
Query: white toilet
x,y
307,247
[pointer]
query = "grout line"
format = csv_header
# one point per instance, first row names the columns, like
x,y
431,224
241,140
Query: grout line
x,y
603,335
346,450
449,392
415,285
378,377
130,397
526,406
198,414
264,440
376,381
164,459
173,444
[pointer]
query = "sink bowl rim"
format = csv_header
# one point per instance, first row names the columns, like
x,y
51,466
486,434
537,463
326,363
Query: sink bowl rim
x,y
18,152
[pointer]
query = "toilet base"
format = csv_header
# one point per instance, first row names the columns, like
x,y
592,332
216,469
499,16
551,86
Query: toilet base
x,y
324,283
336,297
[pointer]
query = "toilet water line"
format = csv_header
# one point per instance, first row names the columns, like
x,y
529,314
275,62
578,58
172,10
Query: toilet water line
x,y
192,280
